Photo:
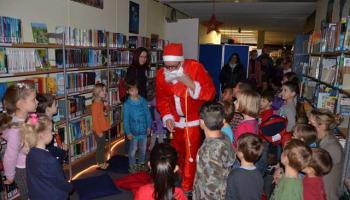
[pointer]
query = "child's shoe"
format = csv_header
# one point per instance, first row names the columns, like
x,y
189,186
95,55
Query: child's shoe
x,y
132,169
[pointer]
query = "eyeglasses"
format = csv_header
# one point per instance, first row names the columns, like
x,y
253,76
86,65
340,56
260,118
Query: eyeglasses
x,y
172,67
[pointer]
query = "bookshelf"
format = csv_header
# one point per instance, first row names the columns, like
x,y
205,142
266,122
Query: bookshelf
x,y
69,68
326,77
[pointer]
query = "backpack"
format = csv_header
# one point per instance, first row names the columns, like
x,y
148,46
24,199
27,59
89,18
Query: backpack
x,y
272,126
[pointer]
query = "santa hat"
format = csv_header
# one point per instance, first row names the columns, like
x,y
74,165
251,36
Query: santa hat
x,y
173,52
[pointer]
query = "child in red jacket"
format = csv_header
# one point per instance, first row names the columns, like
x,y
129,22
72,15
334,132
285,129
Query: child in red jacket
x,y
320,165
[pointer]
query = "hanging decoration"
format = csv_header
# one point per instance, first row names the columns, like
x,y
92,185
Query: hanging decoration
x,y
213,24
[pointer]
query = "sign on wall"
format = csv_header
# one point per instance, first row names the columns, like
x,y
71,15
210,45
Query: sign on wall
x,y
134,17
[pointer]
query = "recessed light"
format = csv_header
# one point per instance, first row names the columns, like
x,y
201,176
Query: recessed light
x,y
236,1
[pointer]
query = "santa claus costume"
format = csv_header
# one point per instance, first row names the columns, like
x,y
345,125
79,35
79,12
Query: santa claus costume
x,y
177,102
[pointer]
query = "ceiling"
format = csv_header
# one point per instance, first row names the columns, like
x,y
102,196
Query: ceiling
x,y
280,20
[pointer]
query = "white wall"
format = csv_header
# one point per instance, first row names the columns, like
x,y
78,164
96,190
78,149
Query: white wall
x,y
113,17
184,31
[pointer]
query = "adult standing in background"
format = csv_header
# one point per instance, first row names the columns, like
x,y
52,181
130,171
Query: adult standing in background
x,y
232,72
254,71
138,69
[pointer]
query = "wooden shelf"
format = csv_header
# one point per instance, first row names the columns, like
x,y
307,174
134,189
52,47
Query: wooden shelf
x,y
52,71
75,69
328,54
48,46
61,122
88,113
79,139
119,66
38,72
78,159
79,92
51,46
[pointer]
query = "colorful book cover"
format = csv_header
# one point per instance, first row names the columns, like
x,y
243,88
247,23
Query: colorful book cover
x,y
43,57
347,35
3,68
40,33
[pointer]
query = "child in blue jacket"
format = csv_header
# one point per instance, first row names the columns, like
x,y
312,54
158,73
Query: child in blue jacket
x,y
137,125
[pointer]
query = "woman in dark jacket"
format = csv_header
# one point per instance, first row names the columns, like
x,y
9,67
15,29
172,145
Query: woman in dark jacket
x,y
232,72
137,70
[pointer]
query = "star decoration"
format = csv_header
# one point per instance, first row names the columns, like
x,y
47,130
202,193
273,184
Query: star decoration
x,y
212,24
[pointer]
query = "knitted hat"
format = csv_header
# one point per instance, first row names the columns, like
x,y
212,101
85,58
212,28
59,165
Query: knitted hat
x,y
173,52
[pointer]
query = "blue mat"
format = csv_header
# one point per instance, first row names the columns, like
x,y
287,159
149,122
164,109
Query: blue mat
x,y
118,164
95,187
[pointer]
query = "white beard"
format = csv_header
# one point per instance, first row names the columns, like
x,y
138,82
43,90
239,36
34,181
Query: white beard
x,y
170,76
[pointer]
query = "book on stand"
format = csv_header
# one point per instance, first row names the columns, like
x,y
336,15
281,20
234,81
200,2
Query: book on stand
x,y
40,33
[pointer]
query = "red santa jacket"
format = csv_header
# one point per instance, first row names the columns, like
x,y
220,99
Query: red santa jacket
x,y
171,97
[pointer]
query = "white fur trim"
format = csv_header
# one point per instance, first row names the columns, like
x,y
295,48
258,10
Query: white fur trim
x,y
276,137
166,117
182,123
178,106
173,58
197,90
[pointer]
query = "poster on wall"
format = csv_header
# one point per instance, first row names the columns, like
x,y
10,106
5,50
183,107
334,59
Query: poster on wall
x,y
134,17
94,3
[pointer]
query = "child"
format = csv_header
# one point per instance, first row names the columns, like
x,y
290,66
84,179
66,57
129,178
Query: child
x,y
19,100
48,105
324,122
45,176
246,182
229,112
266,110
288,110
158,131
290,76
320,165
305,133
137,125
227,94
163,166
295,157
248,104
100,123
215,156
241,86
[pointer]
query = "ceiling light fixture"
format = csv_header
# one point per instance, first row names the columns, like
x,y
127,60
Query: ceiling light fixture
x,y
213,24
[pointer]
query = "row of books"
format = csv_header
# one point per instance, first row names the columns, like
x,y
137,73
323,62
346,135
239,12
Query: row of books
x,y
332,37
152,72
81,58
10,30
80,128
116,115
139,41
80,81
156,57
82,37
14,60
113,96
83,147
117,40
115,76
344,73
120,57
77,106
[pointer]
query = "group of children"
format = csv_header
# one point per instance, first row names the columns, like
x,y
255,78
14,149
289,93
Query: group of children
x,y
231,163
239,149
32,157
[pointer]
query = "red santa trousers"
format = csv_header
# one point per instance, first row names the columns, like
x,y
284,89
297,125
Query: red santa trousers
x,y
184,150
